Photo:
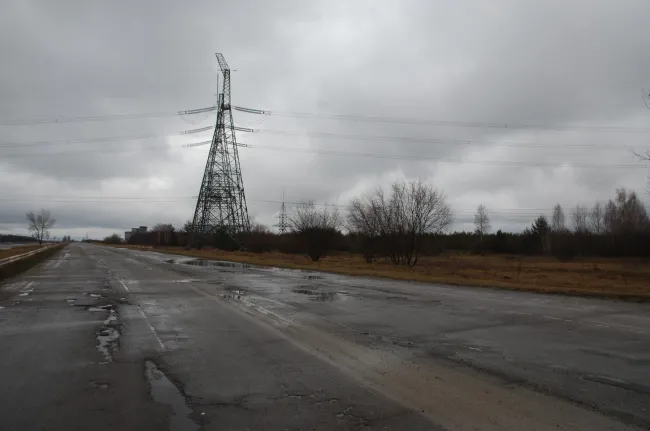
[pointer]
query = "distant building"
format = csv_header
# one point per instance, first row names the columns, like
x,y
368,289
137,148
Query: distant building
x,y
134,230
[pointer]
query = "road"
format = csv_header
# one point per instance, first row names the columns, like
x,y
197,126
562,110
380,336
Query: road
x,y
102,338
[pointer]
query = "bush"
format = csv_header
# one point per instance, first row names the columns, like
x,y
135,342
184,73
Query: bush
x,y
113,239
224,241
317,241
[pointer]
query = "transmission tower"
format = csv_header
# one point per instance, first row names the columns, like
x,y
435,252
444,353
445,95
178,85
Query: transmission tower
x,y
221,205
283,222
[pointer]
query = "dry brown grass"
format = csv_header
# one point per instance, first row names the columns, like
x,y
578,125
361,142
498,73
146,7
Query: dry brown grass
x,y
613,278
4,253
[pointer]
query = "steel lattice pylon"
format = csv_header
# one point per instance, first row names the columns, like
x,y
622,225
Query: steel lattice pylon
x,y
283,219
221,204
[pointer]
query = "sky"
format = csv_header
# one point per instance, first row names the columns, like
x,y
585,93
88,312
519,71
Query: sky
x,y
513,105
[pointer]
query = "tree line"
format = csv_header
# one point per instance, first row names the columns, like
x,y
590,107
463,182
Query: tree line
x,y
412,219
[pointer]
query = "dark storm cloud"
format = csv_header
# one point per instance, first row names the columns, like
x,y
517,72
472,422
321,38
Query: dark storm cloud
x,y
543,62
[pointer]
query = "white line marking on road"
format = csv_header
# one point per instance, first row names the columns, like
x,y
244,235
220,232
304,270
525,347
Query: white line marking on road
x,y
151,328
552,318
146,319
611,379
123,285
29,285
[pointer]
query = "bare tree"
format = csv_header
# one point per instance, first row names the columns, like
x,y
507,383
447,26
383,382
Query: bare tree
x,y
625,214
187,227
399,222
557,220
596,216
414,210
318,228
579,217
364,219
609,217
306,216
40,224
482,223
259,228
163,227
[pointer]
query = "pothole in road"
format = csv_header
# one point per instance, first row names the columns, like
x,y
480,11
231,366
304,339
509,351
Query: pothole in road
x,y
216,263
108,307
163,391
107,337
98,385
304,291
321,296
235,290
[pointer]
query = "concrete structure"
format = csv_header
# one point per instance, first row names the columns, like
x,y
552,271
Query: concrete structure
x,y
134,230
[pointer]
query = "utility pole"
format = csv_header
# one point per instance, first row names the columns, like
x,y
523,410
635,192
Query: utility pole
x,y
221,205
283,223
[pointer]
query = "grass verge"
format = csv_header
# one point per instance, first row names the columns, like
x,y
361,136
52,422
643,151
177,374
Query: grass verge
x,y
14,268
8,252
627,279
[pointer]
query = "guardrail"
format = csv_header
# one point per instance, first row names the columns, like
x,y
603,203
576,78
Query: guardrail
x,y
11,259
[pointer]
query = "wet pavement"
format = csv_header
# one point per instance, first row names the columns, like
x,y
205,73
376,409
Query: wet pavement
x,y
121,339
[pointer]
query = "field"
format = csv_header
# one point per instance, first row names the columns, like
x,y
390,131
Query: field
x,y
8,252
611,278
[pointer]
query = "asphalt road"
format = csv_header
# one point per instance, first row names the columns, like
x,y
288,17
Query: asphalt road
x,y
101,338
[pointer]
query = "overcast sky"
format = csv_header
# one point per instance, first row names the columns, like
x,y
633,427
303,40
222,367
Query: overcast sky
x,y
573,67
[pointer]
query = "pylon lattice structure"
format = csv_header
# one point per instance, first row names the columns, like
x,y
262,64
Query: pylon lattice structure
x,y
283,222
221,205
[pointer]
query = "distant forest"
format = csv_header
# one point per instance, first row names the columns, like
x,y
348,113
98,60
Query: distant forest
x,y
15,238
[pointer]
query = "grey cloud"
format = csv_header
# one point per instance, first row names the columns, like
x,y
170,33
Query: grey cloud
x,y
540,62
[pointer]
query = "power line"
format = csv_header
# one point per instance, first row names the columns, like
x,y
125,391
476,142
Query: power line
x,y
410,140
449,123
504,163
443,160
512,211
58,120
403,139
101,140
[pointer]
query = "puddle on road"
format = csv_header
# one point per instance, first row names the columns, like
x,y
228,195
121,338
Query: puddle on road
x,y
217,263
99,385
107,337
327,297
304,291
321,296
108,307
163,391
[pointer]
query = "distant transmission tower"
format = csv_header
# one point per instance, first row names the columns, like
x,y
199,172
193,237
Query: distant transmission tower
x,y
221,204
283,222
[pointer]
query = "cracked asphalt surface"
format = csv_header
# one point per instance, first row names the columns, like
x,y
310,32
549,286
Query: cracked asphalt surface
x,y
102,338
